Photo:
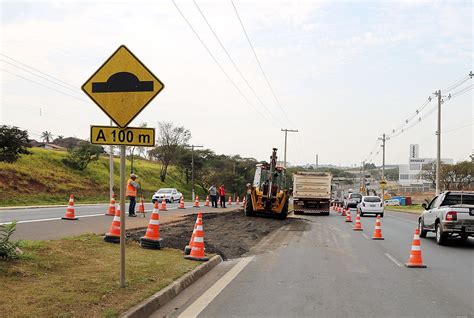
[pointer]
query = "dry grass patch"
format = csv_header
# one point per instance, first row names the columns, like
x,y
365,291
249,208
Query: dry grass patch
x,y
78,277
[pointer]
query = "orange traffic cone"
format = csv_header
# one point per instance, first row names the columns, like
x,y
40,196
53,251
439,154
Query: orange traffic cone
x,y
344,212
378,230
230,201
163,205
70,213
141,206
113,235
187,248
415,254
237,201
348,217
181,203
219,201
152,238
196,202
243,202
111,210
197,245
357,225
207,201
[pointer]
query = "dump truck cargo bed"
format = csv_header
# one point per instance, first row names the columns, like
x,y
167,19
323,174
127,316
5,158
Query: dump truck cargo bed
x,y
311,192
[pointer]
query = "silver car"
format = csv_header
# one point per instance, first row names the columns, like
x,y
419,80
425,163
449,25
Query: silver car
x,y
169,194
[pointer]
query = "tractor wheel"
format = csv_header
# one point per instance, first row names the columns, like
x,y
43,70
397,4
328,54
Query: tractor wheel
x,y
284,212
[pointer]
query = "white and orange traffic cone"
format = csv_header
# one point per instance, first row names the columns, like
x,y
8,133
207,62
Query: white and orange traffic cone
x,y
357,225
196,202
197,245
378,230
230,201
70,212
187,248
141,206
243,202
415,255
348,217
181,203
152,238
207,201
111,209
237,201
113,235
163,205
219,201
344,212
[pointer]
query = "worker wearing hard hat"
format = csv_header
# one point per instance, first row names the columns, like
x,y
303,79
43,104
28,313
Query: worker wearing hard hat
x,y
132,187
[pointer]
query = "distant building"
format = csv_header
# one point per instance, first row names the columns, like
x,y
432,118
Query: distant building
x,y
409,174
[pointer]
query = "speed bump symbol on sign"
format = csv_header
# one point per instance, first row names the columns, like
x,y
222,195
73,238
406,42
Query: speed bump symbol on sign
x,y
123,86
130,136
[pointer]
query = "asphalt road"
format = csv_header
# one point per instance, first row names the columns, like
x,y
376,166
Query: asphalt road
x,y
326,269
46,223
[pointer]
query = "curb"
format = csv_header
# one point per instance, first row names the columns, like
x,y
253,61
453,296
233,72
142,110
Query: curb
x,y
405,211
47,206
154,302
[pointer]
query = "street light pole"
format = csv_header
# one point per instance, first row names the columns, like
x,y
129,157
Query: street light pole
x,y
192,167
438,150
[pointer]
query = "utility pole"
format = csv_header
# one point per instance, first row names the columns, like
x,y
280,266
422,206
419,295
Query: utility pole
x,y
192,167
384,139
438,151
286,133
317,163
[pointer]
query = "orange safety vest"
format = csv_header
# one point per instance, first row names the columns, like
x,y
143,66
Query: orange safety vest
x,y
131,190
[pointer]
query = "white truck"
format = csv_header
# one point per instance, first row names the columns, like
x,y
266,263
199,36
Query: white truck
x,y
311,192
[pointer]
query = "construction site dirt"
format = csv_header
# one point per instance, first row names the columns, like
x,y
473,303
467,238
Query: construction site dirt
x,y
229,234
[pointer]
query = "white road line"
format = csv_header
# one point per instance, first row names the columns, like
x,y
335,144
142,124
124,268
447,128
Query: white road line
x,y
393,259
364,235
391,216
202,302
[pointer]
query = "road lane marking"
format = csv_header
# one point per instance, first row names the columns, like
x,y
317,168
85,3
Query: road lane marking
x,y
202,302
390,216
393,259
364,235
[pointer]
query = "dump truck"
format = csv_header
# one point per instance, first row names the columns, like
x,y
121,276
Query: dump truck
x,y
311,192
268,194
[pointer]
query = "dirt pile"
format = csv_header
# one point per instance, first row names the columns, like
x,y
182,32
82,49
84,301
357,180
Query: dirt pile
x,y
229,234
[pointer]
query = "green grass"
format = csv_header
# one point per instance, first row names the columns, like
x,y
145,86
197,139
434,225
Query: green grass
x,y
42,179
415,208
78,277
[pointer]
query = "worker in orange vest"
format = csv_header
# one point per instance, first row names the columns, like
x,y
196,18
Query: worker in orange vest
x,y
132,187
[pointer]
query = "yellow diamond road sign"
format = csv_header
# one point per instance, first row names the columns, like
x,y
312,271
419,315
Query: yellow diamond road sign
x,y
123,86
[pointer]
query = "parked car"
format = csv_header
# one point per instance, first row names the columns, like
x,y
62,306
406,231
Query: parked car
x,y
393,202
370,204
450,213
169,194
352,200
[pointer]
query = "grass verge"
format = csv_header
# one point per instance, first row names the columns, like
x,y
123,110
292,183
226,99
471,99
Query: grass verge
x,y
79,277
415,208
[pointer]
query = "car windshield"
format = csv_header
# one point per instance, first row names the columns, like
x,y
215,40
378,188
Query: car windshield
x,y
164,191
356,196
372,199
453,199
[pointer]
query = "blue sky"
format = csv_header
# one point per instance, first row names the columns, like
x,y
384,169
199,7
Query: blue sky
x,y
345,72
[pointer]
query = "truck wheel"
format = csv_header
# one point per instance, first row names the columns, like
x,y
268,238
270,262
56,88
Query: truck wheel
x,y
248,209
421,226
441,237
464,237
284,212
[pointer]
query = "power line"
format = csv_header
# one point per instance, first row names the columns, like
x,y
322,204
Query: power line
x,y
258,61
456,84
460,92
233,63
215,60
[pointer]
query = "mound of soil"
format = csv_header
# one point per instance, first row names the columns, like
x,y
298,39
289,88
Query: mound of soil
x,y
229,234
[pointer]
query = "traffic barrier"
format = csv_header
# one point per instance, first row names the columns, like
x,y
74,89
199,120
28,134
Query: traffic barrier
x,y
181,203
163,205
141,206
70,212
237,201
196,202
152,238
415,260
357,225
113,235
187,248
230,201
348,217
197,245
111,209
378,230
207,201
344,212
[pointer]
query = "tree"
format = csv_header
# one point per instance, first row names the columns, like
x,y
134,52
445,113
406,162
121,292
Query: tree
x,y
13,143
171,139
369,166
80,157
46,136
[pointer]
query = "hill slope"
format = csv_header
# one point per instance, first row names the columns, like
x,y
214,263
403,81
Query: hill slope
x,y
42,178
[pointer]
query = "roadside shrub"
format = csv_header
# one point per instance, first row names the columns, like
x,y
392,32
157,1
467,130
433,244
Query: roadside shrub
x,y
8,248
80,157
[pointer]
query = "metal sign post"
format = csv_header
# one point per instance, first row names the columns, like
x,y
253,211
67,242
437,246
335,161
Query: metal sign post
x,y
122,216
